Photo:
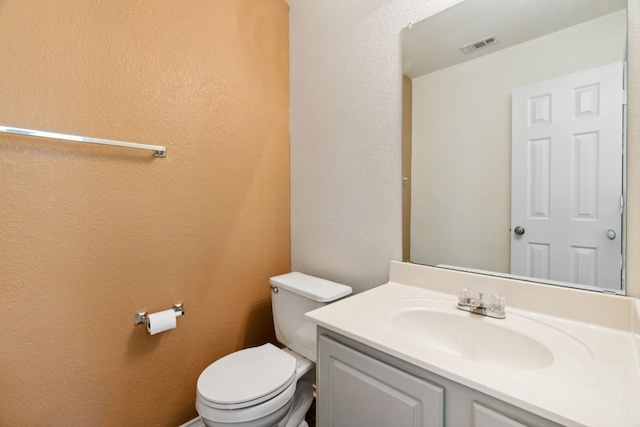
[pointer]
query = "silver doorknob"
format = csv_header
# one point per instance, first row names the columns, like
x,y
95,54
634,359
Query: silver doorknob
x,y
611,234
519,230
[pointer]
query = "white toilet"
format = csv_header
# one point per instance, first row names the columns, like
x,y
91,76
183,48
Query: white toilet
x,y
267,386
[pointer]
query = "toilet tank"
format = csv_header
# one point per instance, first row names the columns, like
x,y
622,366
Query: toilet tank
x,y
294,294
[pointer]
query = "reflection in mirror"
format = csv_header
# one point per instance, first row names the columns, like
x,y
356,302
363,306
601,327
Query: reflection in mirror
x,y
517,133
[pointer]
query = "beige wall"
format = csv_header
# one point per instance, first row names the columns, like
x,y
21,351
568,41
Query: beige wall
x,y
478,94
89,235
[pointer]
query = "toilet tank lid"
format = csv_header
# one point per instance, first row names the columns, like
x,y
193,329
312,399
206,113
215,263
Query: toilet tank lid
x,y
311,287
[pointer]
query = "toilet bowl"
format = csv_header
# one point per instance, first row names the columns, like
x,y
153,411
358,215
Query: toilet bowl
x,y
267,386
251,387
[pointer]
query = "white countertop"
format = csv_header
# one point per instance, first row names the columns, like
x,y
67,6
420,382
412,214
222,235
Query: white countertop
x,y
603,389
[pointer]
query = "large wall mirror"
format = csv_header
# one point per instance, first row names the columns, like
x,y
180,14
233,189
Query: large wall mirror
x,y
515,122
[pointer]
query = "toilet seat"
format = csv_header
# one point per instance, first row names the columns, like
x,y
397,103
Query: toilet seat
x,y
247,378
274,409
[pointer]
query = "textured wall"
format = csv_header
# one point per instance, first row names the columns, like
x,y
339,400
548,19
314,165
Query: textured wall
x,y
346,94
90,235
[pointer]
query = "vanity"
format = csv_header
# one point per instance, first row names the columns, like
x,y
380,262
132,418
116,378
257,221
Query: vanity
x,y
404,354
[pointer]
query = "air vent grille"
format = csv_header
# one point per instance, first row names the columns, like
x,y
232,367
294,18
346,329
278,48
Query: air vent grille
x,y
472,47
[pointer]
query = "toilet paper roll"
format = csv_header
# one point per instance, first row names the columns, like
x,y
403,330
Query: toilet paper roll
x,y
161,321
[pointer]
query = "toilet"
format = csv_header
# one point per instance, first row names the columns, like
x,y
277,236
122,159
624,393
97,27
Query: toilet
x,y
267,386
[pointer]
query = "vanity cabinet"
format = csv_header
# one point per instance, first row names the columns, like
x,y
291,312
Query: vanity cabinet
x,y
361,386
360,390
483,416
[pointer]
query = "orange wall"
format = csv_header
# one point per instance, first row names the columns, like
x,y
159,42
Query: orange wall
x,y
89,235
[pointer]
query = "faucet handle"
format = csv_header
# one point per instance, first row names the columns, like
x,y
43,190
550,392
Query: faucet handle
x,y
497,302
463,295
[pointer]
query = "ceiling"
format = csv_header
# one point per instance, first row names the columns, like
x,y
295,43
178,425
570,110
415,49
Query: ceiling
x,y
434,43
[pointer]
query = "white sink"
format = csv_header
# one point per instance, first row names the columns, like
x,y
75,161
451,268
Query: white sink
x,y
517,341
564,354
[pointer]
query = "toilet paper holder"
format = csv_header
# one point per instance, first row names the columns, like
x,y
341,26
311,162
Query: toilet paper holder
x,y
142,316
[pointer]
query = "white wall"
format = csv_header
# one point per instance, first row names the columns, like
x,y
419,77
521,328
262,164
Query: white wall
x,y
474,207
346,94
346,90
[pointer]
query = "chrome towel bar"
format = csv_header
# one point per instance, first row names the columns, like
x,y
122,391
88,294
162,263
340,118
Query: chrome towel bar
x,y
158,150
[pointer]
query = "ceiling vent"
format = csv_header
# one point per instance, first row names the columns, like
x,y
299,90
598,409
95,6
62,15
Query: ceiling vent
x,y
472,47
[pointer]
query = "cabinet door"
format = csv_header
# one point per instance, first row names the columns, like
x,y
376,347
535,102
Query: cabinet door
x,y
484,416
357,390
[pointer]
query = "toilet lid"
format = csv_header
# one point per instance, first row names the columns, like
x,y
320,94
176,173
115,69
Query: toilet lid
x,y
247,377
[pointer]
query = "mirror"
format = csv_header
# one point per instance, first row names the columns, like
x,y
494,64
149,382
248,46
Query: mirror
x,y
517,162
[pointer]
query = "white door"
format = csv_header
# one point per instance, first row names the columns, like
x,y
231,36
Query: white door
x,y
566,171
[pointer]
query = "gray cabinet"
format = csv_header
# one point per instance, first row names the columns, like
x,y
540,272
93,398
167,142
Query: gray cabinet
x,y
484,416
358,390
361,386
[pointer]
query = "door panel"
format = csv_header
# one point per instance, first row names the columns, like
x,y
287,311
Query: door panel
x,y
357,390
483,416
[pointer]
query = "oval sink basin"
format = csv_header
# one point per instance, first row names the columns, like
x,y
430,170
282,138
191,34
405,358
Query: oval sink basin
x,y
516,341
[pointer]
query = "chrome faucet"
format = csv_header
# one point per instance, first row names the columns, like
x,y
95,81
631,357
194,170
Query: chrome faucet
x,y
472,301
